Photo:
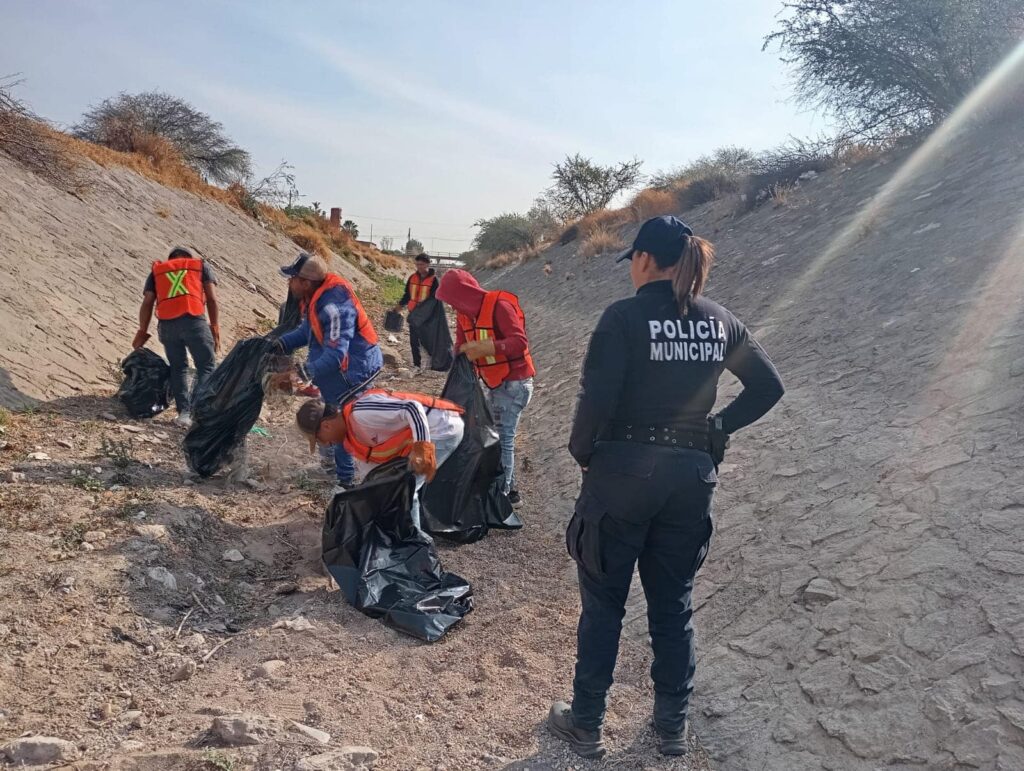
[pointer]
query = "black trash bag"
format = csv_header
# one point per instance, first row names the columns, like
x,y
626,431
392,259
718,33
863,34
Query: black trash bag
x,y
431,324
227,405
289,316
384,566
145,390
393,321
465,498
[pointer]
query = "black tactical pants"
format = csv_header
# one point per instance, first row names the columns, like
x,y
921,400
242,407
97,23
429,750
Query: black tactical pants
x,y
180,337
414,343
649,506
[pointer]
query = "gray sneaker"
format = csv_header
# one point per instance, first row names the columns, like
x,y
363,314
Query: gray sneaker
x,y
586,744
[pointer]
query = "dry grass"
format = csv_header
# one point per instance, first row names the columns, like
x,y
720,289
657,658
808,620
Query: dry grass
x,y
602,219
157,159
652,203
512,258
600,241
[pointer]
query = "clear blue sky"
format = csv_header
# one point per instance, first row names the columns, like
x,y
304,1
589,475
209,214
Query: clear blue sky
x,y
424,114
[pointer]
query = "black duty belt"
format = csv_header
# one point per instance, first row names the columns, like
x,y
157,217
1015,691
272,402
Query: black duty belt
x,y
662,436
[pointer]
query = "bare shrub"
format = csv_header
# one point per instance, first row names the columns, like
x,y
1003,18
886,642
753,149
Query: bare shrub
x,y
27,140
120,122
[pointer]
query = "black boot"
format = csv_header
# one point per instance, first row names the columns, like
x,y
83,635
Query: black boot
x,y
587,744
672,742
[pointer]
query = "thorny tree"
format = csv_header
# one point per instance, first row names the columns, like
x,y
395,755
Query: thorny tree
x,y
582,186
890,67
120,122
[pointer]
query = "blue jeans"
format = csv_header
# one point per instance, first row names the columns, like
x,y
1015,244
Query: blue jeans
x,y
507,403
443,449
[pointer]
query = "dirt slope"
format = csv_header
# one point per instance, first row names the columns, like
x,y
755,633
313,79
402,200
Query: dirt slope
x,y
862,600
72,269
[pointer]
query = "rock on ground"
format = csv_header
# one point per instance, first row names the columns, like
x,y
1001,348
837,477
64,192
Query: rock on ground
x,y
38,750
242,729
345,759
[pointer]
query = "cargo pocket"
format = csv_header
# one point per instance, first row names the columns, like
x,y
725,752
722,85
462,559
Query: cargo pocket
x,y
706,473
707,481
583,535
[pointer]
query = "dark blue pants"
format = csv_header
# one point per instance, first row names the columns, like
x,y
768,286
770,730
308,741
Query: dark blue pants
x,y
650,507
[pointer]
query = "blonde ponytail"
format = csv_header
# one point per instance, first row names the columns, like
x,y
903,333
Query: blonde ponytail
x,y
691,273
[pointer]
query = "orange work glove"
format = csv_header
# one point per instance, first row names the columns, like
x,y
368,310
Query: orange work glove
x,y
477,349
215,329
423,460
140,339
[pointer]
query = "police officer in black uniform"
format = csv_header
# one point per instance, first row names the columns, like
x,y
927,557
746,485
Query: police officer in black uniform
x,y
649,450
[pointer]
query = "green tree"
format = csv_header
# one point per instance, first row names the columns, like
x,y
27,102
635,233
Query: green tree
x,y
351,228
888,67
504,233
582,186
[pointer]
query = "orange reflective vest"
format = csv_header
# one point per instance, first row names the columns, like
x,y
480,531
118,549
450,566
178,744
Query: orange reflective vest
x,y
179,288
419,289
492,369
399,445
364,327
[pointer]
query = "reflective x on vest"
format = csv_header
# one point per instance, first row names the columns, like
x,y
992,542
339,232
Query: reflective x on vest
x,y
178,284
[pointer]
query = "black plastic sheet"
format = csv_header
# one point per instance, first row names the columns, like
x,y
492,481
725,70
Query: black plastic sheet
x,y
384,566
393,321
465,498
145,388
227,406
431,325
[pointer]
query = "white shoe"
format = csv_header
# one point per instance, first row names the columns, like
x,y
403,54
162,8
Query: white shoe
x,y
184,420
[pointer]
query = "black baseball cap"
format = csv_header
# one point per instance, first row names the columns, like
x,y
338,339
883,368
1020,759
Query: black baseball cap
x,y
292,270
663,238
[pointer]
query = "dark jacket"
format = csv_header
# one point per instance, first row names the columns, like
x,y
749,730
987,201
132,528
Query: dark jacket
x,y
648,365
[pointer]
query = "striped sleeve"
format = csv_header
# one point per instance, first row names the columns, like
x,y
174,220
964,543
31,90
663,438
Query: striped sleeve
x,y
390,415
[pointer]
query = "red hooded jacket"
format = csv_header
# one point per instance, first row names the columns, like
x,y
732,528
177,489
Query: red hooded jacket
x,y
460,290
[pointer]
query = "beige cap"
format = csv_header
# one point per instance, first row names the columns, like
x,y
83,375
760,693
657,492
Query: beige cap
x,y
315,269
